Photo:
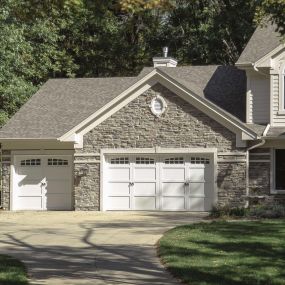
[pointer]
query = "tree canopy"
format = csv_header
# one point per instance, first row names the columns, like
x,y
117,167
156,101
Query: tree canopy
x,y
90,38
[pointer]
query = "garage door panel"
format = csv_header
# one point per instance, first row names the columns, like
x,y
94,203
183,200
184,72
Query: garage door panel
x,y
144,174
42,183
197,174
144,188
145,203
119,203
58,186
119,174
173,203
170,173
30,190
58,202
197,189
197,204
29,203
117,189
173,189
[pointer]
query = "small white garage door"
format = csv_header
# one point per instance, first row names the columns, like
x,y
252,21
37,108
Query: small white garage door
x,y
42,182
169,183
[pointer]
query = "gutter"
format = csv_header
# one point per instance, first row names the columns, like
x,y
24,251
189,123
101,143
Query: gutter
x,y
261,143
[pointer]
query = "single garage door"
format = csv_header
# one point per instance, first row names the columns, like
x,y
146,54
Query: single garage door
x,y
42,183
167,183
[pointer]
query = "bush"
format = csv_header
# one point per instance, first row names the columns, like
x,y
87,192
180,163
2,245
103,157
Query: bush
x,y
227,211
268,210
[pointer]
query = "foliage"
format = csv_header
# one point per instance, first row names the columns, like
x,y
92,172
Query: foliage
x,y
268,210
265,210
91,38
272,10
12,271
227,211
226,253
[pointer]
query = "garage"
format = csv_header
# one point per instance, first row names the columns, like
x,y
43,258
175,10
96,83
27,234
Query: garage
x,y
159,182
42,182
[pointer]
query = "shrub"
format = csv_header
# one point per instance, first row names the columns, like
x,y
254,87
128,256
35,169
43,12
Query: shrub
x,y
268,210
227,211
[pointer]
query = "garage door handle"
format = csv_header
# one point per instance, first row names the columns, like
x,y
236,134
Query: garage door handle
x,y
186,183
43,184
132,183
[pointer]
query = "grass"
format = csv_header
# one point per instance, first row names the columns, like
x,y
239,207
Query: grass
x,y
12,271
226,253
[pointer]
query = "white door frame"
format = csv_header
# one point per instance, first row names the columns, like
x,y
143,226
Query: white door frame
x,y
156,150
15,153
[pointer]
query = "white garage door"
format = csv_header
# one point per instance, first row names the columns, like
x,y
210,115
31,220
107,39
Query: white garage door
x,y
42,183
170,183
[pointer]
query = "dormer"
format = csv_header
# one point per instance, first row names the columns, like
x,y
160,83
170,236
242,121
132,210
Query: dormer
x,y
263,59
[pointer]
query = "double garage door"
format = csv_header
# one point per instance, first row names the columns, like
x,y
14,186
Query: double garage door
x,y
169,183
42,182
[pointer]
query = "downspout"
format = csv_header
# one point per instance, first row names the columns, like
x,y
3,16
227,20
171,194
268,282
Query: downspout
x,y
261,143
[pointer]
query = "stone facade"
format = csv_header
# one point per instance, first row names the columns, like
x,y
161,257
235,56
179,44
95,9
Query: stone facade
x,y
5,195
181,126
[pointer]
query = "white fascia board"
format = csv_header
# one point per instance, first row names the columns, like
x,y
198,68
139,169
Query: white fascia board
x,y
144,84
265,61
68,136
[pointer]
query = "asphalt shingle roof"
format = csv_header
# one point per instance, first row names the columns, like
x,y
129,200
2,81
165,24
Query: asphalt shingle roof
x,y
264,39
61,104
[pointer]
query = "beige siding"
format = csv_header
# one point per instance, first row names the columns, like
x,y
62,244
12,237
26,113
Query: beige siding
x,y
278,118
258,99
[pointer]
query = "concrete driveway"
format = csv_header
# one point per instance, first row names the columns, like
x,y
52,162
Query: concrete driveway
x,y
89,247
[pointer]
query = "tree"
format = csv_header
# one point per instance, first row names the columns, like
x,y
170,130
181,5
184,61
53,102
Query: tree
x,y
274,11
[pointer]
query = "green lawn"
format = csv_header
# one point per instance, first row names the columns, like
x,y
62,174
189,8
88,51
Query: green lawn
x,y
226,253
12,271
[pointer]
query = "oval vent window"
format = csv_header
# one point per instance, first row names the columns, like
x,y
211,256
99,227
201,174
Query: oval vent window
x,y
158,106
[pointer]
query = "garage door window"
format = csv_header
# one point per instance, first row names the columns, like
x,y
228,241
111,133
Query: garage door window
x,y
174,160
199,160
120,160
144,160
57,162
30,162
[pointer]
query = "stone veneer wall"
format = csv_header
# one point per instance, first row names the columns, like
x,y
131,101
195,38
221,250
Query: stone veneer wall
x,y
5,180
181,126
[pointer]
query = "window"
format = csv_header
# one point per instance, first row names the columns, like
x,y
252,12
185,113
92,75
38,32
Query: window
x,y
174,160
120,160
199,160
57,162
280,169
31,162
158,106
144,160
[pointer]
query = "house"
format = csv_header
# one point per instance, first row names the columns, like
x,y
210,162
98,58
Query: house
x,y
172,138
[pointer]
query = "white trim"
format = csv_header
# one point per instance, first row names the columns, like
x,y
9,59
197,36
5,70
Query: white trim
x,y
231,160
42,152
269,55
260,160
259,153
282,90
164,105
87,154
86,161
231,154
144,84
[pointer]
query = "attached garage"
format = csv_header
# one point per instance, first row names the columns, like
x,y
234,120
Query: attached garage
x,y
42,182
159,182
